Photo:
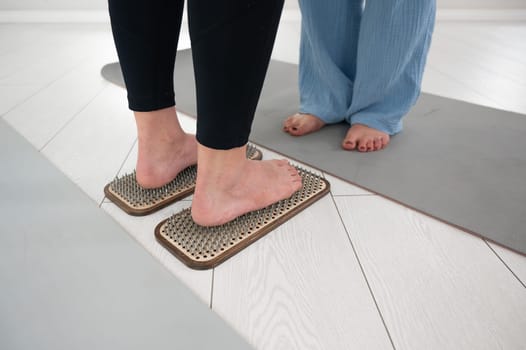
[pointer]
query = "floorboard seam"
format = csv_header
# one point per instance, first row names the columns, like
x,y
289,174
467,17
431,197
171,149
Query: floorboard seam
x,y
363,274
120,168
502,260
469,43
466,86
126,158
212,289
45,86
469,60
73,117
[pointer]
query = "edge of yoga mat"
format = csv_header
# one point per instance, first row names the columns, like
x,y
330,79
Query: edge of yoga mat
x,y
72,278
442,164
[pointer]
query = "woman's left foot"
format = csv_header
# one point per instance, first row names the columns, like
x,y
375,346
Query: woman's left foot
x,y
364,139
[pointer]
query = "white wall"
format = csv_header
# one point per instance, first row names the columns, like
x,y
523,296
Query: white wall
x,y
289,4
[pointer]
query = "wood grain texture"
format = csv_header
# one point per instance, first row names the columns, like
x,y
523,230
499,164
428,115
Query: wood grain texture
x,y
142,229
504,38
33,56
437,287
475,58
514,261
300,287
54,106
287,43
18,37
93,146
491,84
48,60
442,84
13,96
489,58
18,57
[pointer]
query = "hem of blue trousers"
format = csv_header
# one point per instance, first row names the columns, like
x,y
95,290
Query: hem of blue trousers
x,y
389,127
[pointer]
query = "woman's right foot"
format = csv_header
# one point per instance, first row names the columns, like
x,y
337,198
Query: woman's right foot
x,y
231,185
301,124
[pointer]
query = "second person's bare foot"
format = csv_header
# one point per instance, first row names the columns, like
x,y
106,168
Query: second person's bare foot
x,y
365,139
228,185
301,124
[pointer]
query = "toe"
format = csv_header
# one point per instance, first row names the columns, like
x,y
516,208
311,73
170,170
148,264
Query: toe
x,y
350,142
282,162
349,145
302,124
294,125
362,146
287,124
370,145
378,143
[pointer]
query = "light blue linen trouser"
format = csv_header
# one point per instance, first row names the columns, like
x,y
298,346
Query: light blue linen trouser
x,y
363,63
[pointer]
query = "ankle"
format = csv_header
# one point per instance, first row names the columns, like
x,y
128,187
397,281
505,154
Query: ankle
x,y
220,166
158,126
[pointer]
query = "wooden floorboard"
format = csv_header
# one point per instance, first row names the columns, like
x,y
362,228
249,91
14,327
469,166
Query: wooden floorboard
x,y
514,261
92,147
436,287
417,282
53,107
142,228
300,288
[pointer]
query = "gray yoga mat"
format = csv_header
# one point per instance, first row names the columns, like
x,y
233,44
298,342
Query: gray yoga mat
x,y
72,278
461,163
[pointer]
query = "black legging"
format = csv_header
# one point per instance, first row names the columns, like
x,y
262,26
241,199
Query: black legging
x,y
231,45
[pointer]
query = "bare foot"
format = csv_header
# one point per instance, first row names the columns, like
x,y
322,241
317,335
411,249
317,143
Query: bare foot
x,y
164,148
301,124
157,168
229,185
365,139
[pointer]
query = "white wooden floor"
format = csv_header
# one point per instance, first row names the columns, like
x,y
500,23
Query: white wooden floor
x,y
354,271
